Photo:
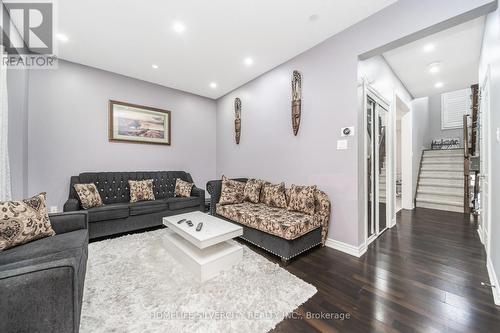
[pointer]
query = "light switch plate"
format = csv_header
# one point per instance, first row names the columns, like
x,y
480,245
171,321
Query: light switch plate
x,y
53,209
498,134
341,144
347,131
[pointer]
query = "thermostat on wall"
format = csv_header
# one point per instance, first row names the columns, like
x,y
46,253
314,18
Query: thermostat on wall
x,y
347,131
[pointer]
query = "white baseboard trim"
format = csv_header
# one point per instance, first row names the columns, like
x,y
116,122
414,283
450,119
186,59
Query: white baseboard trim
x,y
480,232
493,281
356,251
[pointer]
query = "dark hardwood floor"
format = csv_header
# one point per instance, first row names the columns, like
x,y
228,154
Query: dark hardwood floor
x,y
423,275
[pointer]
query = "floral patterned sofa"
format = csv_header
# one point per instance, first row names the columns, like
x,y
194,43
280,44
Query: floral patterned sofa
x,y
283,232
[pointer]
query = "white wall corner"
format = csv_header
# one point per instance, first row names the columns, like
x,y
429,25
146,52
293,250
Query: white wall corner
x,y
493,281
480,232
356,251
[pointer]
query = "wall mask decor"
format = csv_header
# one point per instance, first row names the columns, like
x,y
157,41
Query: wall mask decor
x,y
296,101
237,120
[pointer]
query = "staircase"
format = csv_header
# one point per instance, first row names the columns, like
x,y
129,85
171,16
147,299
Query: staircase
x,y
441,180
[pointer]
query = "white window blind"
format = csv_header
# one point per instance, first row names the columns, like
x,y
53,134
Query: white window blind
x,y
454,105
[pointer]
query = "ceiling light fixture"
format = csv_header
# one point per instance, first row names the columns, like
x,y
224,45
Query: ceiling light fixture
x,y
429,47
439,85
62,37
248,61
213,85
313,17
434,67
179,27
155,66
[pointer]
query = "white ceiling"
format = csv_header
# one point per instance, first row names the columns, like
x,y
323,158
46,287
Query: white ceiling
x,y
456,49
127,36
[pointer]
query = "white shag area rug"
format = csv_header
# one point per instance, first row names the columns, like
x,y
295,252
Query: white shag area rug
x,y
134,285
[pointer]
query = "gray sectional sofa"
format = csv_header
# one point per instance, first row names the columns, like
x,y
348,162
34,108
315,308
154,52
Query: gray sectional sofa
x,y
41,282
118,215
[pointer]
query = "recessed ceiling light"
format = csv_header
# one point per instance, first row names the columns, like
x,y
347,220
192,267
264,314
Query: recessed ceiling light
x,y
429,47
178,27
439,85
248,61
62,37
434,67
313,17
155,66
213,85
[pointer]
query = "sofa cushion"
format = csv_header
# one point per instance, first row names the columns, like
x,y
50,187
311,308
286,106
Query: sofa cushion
x,y
182,188
302,199
252,190
181,203
232,191
276,221
23,221
148,207
274,195
108,212
141,190
88,195
46,247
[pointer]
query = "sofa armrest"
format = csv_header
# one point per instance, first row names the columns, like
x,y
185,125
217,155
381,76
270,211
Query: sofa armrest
x,y
69,221
42,297
200,193
322,213
71,205
214,187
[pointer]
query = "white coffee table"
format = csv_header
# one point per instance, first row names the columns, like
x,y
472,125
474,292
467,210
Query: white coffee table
x,y
207,252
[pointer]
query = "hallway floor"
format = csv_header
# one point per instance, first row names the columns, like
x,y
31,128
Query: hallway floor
x,y
423,275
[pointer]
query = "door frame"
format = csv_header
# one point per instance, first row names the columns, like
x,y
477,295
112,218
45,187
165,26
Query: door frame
x,y
486,152
368,90
406,155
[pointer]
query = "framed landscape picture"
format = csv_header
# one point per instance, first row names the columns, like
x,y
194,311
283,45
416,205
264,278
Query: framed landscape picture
x,y
138,124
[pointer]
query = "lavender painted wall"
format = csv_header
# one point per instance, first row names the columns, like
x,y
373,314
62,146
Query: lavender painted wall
x,y
268,148
68,129
420,134
17,87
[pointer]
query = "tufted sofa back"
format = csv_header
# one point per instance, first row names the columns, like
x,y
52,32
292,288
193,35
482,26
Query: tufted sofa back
x,y
113,186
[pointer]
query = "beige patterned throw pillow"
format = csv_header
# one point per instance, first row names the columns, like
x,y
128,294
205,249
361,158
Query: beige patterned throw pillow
x,y
274,195
302,199
232,191
88,195
252,190
141,190
23,221
182,188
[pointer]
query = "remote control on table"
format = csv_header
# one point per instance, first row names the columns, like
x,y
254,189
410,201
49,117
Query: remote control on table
x,y
189,223
181,221
199,226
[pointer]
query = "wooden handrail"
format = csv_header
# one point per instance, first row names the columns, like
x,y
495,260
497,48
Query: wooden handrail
x,y
466,136
466,165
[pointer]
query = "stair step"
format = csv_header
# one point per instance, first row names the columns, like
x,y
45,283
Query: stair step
x,y
443,190
440,207
443,167
442,202
444,152
442,160
439,197
441,182
442,174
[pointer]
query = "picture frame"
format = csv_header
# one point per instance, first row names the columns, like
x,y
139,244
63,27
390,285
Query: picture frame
x,y
134,123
